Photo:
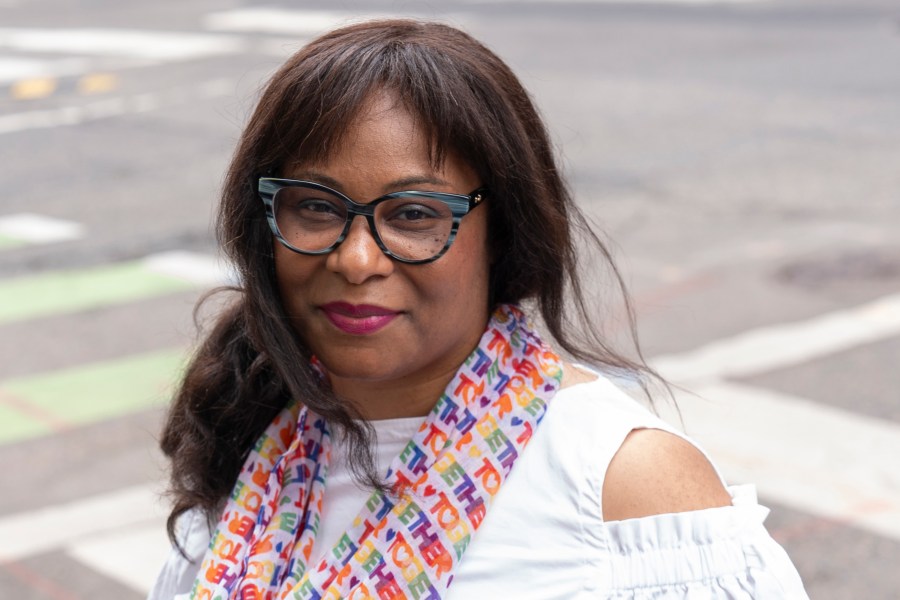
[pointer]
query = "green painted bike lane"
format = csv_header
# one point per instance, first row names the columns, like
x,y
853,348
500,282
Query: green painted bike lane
x,y
48,402
51,402
61,292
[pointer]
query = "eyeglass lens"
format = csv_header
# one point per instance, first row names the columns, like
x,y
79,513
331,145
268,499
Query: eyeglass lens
x,y
411,227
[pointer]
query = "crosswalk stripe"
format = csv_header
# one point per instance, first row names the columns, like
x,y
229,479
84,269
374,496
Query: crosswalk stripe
x,y
767,348
17,68
281,21
145,45
62,292
816,458
40,404
137,568
56,527
190,266
38,229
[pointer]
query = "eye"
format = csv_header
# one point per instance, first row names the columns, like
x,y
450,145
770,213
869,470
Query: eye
x,y
302,202
307,209
413,212
315,205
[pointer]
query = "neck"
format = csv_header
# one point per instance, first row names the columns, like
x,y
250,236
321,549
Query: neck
x,y
375,400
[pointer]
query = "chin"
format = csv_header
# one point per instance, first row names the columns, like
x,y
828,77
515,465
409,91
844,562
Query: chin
x,y
366,365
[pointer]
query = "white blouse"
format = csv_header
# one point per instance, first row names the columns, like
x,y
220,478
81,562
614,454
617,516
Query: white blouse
x,y
545,538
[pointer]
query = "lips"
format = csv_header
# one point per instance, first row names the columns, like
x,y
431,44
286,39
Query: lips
x,y
358,319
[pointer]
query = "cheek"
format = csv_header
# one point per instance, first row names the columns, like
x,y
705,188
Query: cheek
x,y
292,271
283,272
479,255
463,280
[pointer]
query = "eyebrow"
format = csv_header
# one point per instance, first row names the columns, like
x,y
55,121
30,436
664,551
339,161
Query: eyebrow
x,y
396,184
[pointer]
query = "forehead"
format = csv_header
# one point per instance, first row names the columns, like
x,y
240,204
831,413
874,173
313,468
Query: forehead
x,y
382,127
383,130
364,175
384,140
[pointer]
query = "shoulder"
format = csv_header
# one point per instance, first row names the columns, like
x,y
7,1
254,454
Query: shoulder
x,y
177,575
593,411
657,472
640,464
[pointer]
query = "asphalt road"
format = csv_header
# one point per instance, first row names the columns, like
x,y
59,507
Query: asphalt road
x,y
743,157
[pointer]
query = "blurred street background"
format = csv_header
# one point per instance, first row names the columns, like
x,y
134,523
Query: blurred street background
x,y
744,155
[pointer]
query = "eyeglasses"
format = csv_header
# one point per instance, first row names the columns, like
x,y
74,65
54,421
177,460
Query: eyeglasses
x,y
411,227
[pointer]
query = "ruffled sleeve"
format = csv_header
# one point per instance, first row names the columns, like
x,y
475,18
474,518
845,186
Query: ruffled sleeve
x,y
178,573
711,554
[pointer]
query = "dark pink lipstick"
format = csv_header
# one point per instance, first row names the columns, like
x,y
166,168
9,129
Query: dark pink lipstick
x,y
358,319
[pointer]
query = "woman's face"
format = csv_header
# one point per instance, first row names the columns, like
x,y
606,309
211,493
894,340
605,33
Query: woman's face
x,y
390,334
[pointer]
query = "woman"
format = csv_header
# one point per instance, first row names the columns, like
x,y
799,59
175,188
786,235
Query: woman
x,y
356,424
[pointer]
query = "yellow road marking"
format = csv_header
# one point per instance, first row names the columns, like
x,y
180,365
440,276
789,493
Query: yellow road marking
x,y
97,83
28,89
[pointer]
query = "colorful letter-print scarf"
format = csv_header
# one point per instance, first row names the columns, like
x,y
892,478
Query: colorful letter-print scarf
x,y
403,544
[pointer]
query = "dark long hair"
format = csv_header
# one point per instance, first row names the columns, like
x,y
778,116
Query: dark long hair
x,y
469,103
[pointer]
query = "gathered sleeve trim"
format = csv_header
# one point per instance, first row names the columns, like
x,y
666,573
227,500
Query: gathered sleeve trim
x,y
714,553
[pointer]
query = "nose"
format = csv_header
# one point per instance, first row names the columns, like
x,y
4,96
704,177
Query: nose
x,y
358,257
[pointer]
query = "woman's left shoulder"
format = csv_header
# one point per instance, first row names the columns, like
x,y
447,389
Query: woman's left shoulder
x,y
585,427
593,415
646,467
656,472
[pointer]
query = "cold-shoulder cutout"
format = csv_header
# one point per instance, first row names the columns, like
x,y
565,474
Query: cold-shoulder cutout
x,y
656,472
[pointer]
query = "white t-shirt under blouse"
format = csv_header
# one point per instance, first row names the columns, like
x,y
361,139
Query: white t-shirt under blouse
x,y
544,537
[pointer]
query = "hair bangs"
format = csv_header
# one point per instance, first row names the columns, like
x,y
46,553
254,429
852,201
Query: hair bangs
x,y
326,95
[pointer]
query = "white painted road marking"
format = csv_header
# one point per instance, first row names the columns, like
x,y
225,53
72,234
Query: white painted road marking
x,y
56,527
133,557
816,458
38,229
113,107
154,46
13,68
768,348
202,269
282,21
